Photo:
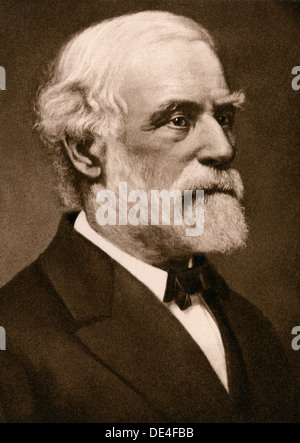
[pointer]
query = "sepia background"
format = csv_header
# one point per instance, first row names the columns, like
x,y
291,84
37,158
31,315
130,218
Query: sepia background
x,y
259,43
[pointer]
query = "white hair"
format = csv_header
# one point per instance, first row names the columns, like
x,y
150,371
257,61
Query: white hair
x,y
80,98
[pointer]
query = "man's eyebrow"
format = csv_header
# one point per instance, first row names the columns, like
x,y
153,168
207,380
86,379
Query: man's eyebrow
x,y
236,100
165,110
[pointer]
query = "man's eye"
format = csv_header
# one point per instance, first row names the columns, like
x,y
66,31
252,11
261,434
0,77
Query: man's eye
x,y
179,122
225,119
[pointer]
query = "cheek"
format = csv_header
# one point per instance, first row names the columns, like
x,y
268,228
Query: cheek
x,y
158,158
146,142
157,170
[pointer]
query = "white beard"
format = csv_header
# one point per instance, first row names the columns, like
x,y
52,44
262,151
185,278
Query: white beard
x,y
225,228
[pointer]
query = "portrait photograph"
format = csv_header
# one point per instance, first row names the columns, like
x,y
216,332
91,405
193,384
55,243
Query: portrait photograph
x,y
149,198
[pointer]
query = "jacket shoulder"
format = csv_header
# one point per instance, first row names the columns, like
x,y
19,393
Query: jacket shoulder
x,y
29,302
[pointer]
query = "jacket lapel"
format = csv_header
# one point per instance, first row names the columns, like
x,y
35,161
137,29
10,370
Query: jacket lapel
x,y
80,272
129,330
150,349
263,359
236,368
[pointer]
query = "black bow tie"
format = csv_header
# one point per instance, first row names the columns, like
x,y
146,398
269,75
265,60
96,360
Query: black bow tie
x,y
201,278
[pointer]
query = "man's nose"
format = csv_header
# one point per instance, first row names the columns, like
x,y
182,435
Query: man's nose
x,y
217,147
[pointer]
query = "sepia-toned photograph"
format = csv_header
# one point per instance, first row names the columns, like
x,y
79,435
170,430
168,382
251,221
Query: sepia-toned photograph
x,y
149,184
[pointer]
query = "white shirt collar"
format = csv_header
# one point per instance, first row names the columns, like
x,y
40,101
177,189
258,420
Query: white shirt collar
x,y
155,279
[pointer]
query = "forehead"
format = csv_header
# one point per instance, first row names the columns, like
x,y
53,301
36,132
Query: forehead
x,y
173,71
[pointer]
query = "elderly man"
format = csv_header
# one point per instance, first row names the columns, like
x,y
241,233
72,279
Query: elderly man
x,y
121,321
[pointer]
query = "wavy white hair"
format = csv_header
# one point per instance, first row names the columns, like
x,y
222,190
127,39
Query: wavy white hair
x,y
80,98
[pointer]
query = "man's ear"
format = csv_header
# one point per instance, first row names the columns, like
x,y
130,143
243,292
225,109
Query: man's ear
x,y
84,154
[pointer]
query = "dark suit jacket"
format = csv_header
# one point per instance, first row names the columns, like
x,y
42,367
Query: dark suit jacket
x,y
87,342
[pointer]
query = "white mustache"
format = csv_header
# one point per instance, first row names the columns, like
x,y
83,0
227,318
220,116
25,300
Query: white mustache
x,y
212,180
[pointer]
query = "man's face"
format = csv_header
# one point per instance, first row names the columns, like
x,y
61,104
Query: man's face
x,y
171,92
178,135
